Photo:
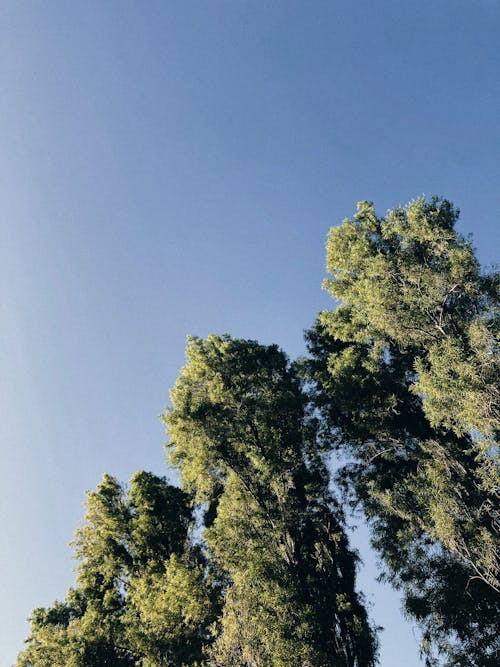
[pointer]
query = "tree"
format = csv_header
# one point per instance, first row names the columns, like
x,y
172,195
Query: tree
x,y
142,595
249,452
405,373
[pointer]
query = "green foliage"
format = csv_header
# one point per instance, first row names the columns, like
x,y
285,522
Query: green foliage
x,y
403,381
169,612
248,450
410,280
405,373
52,642
273,582
142,595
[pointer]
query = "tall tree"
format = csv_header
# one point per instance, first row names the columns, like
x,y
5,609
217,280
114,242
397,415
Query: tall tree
x,y
405,372
249,450
142,595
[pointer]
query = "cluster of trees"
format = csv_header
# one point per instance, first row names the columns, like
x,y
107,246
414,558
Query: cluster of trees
x,y
248,563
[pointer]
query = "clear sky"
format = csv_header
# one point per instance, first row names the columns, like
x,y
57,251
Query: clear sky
x,y
173,167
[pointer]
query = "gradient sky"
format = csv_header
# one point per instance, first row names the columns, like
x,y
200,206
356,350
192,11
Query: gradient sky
x,y
173,167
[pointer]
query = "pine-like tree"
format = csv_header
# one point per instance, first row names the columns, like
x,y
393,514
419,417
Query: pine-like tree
x,y
143,595
405,373
248,449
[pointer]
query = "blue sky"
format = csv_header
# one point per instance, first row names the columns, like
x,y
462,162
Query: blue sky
x,y
173,167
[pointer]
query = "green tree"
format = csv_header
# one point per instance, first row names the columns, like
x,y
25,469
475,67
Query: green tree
x,y
405,373
142,595
249,451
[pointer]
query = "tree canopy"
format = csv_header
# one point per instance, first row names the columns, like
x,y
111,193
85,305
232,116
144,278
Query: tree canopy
x,y
405,373
143,594
248,448
270,580
247,564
